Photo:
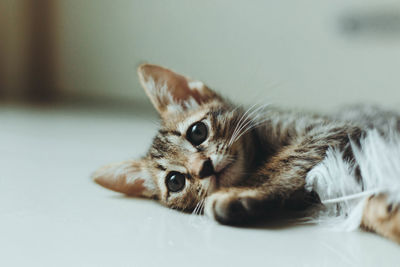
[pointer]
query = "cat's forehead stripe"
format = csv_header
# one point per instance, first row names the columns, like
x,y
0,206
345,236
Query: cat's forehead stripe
x,y
183,126
154,154
160,167
161,143
167,132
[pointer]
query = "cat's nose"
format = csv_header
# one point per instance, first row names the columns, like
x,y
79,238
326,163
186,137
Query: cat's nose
x,y
207,169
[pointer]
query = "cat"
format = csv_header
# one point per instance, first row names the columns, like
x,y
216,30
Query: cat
x,y
237,165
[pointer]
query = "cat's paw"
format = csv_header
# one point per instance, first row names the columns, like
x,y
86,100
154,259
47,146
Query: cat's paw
x,y
383,217
230,207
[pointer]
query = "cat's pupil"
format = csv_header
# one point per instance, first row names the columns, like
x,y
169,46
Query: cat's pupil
x,y
197,133
175,181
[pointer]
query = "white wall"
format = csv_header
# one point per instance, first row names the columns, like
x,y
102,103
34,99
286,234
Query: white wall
x,y
288,52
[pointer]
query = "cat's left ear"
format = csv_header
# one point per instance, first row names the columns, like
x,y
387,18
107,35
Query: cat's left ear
x,y
129,177
172,92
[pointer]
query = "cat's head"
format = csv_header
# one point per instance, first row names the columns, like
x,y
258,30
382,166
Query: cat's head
x,y
196,151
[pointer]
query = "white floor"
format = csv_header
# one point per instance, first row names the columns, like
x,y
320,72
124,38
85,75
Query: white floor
x,y
51,214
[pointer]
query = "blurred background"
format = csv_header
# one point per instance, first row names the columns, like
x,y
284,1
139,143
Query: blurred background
x,y
309,54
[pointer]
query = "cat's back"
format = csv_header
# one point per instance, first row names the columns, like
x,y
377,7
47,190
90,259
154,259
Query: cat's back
x,y
369,117
282,125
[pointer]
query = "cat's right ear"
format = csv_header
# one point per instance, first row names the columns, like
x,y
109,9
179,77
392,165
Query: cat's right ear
x,y
171,92
128,177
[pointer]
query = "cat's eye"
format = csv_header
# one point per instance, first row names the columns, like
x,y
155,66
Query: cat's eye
x,y
197,133
175,181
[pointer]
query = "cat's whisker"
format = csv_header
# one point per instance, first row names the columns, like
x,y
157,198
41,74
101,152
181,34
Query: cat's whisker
x,y
199,209
248,123
249,120
244,118
201,194
194,212
240,120
247,127
232,112
205,193
238,128
258,115
200,204
202,207
260,123
246,115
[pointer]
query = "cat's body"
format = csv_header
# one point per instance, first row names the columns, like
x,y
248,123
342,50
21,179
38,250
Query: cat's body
x,y
239,164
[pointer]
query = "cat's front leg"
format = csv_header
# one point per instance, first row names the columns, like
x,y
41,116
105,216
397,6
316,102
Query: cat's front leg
x,y
238,205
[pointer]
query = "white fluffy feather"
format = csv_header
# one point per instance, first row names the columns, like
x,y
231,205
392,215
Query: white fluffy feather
x,y
335,182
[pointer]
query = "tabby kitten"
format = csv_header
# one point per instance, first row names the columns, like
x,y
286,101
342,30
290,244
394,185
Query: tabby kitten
x,y
236,165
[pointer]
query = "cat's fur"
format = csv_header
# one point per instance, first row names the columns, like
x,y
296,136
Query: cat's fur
x,y
260,156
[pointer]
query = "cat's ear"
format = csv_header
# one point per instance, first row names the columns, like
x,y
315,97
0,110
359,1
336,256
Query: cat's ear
x,y
172,92
127,177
